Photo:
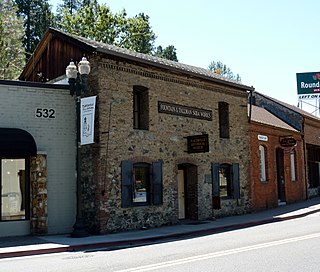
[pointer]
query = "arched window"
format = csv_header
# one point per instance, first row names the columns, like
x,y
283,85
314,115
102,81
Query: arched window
x,y
263,168
293,165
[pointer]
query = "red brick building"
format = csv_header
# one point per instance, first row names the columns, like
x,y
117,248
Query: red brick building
x,y
277,161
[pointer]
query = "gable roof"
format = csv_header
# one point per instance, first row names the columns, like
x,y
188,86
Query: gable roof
x,y
262,116
291,107
115,51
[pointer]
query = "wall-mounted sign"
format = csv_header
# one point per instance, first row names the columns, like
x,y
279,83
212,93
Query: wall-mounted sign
x,y
263,138
87,112
288,142
308,85
181,110
198,143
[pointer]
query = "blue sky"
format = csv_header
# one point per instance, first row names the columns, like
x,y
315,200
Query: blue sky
x,y
265,42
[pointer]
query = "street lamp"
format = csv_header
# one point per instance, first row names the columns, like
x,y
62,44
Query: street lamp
x,y
78,83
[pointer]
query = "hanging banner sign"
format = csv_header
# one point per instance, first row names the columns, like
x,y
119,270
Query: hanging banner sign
x,y
87,110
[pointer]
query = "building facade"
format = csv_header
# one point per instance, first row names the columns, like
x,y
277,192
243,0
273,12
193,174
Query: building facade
x,y
277,161
309,127
171,140
37,153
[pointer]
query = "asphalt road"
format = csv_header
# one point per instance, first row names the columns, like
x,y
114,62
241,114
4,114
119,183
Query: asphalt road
x,y
292,245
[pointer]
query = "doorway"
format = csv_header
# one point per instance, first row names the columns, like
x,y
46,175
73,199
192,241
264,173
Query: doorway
x,y
280,175
187,191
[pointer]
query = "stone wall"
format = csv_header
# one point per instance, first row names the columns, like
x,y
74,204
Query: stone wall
x,y
39,194
165,140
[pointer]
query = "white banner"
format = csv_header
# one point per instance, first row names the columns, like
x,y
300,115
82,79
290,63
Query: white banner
x,y
87,110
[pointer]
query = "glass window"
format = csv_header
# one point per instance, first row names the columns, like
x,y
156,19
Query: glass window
x,y
140,108
225,181
224,119
13,189
293,165
141,183
263,173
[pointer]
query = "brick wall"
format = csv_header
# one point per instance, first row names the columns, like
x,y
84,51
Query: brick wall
x,y
264,195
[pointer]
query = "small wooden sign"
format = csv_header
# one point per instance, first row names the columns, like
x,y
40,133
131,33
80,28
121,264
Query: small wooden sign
x,y
198,143
288,142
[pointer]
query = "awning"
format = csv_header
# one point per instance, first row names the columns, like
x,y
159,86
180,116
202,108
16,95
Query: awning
x,y
16,142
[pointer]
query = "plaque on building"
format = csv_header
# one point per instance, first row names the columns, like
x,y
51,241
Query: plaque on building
x,y
181,110
198,143
288,142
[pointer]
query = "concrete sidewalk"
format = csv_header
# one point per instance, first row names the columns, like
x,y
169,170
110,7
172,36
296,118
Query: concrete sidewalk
x,y
33,245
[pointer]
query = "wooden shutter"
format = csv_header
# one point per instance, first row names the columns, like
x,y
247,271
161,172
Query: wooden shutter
x,y
215,186
236,180
126,183
157,187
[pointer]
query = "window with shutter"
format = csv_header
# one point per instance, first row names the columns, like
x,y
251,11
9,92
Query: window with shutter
x,y
215,186
157,183
141,183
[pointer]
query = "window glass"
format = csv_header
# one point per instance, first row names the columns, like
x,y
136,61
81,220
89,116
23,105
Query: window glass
x,y
225,181
293,165
224,119
141,183
263,176
140,108
13,189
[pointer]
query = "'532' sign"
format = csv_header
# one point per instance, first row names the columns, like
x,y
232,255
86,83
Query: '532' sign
x,y
45,113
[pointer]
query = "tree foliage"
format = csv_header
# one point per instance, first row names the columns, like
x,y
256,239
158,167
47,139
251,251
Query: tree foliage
x,y
222,69
168,53
96,21
38,17
12,57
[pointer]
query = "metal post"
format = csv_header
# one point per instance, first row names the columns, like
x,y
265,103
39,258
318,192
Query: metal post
x,y
79,228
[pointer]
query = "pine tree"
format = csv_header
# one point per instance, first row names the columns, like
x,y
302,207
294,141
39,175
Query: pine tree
x,y
12,58
38,17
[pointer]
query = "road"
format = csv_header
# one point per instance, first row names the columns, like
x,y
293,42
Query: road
x,y
292,245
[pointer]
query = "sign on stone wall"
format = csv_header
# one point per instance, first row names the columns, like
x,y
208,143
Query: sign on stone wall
x,y
181,110
198,143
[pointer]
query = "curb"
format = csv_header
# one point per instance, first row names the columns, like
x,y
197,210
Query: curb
x,y
142,241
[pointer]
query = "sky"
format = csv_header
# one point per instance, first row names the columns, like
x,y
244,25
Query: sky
x,y
266,42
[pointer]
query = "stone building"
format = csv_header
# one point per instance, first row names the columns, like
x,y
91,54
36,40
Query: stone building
x,y
277,161
308,126
37,153
171,140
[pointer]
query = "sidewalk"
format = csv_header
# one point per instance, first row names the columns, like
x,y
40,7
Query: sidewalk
x,y
32,245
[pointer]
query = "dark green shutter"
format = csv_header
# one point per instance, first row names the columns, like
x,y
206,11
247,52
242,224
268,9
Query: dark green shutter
x,y
236,180
126,183
215,179
157,183
216,204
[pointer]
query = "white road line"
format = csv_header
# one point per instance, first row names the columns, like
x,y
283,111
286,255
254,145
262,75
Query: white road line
x,y
218,254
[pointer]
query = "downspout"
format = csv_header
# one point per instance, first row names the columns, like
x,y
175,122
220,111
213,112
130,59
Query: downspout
x,y
250,104
305,159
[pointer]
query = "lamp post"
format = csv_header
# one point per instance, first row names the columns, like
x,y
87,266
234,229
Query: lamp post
x,y
78,83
